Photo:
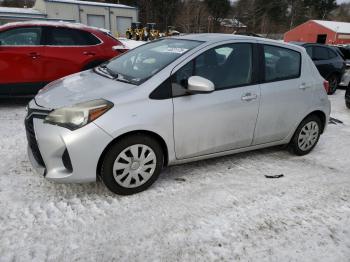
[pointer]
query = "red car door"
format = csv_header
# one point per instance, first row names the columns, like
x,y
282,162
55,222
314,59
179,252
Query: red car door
x,y
67,51
21,68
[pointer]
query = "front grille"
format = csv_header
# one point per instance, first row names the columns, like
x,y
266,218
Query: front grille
x,y
32,142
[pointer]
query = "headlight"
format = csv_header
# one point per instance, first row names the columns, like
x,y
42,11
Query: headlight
x,y
78,115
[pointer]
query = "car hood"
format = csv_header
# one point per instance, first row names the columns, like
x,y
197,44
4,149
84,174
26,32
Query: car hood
x,y
79,87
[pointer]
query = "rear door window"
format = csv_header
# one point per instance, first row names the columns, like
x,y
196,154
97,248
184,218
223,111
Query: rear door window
x,y
320,53
26,36
70,37
331,54
281,63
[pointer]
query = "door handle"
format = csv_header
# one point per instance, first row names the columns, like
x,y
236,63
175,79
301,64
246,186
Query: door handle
x,y
249,97
303,86
89,53
34,55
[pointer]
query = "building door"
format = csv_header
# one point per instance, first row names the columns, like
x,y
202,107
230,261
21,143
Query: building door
x,y
123,23
321,39
96,21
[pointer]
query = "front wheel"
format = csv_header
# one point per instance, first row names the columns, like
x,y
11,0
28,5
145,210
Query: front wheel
x,y
333,84
132,165
306,136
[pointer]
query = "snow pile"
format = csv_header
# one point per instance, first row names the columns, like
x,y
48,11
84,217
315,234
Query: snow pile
x,y
219,209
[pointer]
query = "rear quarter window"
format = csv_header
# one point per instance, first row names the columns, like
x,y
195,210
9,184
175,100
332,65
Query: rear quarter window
x,y
70,37
281,63
320,53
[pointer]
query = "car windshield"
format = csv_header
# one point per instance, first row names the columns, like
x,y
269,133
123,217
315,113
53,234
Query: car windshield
x,y
138,65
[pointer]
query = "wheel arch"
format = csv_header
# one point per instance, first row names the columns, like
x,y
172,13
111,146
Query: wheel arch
x,y
321,115
154,135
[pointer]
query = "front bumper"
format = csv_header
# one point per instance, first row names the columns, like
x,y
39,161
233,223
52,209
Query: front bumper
x,y
84,147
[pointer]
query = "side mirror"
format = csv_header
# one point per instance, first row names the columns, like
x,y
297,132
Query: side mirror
x,y
200,85
119,48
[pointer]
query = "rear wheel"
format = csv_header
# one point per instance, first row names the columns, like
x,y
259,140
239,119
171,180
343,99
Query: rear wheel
x,y
306,136
132,165
333,84
347,104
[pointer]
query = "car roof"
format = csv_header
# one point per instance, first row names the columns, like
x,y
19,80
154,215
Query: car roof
x,y
51,23
216,37
317,44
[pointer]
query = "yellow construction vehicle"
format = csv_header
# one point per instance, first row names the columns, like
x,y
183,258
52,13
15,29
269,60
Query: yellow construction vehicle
x,y
171,31
153,33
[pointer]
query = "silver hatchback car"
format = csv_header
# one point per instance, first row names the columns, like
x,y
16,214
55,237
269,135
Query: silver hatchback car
x,y
173,101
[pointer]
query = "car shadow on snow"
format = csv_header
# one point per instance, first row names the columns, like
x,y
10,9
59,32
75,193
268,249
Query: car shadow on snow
x,y
180,173
171,176
8,102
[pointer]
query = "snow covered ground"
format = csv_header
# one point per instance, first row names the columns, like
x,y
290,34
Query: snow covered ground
x,y
219,209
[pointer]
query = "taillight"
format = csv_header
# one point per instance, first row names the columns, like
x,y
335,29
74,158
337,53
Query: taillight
x,y
326,85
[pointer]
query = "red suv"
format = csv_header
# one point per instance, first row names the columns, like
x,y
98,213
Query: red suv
x,y
33,54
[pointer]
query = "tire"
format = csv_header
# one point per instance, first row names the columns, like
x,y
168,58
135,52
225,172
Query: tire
x,y
333,84
347,104
123,170
302,146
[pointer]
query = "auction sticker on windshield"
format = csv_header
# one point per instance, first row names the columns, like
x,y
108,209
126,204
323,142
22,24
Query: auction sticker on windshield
x,y
176,50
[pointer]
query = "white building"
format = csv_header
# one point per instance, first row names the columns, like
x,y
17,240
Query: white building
x,y
114,17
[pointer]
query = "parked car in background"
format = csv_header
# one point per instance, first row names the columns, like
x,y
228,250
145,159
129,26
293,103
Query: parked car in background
x,y
345,80
328,61
172,101
33,54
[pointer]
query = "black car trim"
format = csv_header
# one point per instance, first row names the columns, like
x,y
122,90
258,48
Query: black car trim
x,y
30,132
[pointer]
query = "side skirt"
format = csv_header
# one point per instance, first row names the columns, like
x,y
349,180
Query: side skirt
x,y
225,153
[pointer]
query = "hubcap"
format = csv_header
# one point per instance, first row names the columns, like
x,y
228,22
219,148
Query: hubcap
x,y
308,136
134,166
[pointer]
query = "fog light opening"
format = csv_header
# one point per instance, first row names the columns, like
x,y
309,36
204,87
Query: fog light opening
x,y
66,161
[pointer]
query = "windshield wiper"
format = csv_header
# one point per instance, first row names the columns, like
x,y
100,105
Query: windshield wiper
x,y
124,80
109,71
114,75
